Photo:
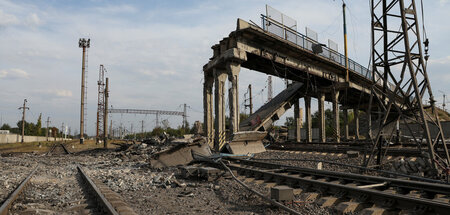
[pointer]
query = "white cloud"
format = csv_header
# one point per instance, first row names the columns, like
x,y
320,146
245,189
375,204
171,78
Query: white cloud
x,y
33,20
443,60
53,93
7,19
63,93
117,9
14,74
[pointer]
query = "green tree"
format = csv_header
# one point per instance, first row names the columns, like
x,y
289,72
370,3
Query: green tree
x,y
38,127
289,122
243,116
5,127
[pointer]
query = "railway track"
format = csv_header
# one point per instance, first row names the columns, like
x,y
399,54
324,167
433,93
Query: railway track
x,y
344,148
349,192
58,149
87,196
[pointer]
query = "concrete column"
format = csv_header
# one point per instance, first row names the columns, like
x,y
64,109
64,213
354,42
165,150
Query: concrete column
x,y
308,119
321,104
336,125
208,108
345,110
220,77
233,70
297,120
356,114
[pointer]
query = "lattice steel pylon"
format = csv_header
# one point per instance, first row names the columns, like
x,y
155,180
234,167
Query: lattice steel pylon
x,y
399,70
101,104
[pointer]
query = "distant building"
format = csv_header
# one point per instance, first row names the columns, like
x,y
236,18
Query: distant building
x,y
4,132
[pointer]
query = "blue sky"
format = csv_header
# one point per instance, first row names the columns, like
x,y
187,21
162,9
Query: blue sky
x,y
154,51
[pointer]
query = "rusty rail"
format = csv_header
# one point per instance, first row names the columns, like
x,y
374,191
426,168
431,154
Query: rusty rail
x,y
107,206
10,200
65,149
333,183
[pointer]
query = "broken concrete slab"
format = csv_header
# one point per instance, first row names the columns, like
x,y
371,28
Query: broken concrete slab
x,y
246,142
180,154
243,148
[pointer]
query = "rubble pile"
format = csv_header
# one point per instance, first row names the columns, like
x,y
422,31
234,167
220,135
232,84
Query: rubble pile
x,y
412,166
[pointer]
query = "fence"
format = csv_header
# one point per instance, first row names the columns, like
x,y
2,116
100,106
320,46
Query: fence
x,y
16,138
307,43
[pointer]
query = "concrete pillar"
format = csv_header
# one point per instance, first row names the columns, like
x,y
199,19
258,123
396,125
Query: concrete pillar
x,y
297,120
321,104
220,77
336,125
208,108
356,114
233,70
345,110
308,119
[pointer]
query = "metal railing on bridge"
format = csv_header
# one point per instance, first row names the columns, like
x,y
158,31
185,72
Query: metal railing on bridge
x,y
306,42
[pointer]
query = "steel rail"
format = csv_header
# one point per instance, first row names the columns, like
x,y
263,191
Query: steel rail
x,y
434,188
399,201
411,177
65,149
407,152
10,200
96,191
51,149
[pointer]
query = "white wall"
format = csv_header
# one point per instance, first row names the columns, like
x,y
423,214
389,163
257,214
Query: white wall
x,y
15,138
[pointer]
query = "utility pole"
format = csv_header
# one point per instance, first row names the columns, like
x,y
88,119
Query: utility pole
x,y
157,119
83,43
105,115
131,129
111,129
250,105
443,102
23,117
46,130
347,78
185,123
62,130
142,127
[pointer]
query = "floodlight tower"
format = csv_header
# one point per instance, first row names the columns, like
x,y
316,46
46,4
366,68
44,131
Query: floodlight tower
x,y
83,43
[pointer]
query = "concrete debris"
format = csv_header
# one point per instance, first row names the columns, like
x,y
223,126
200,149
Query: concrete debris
x,y
182,153
186,194
352,154
247,142
203,173
282,193
419,166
